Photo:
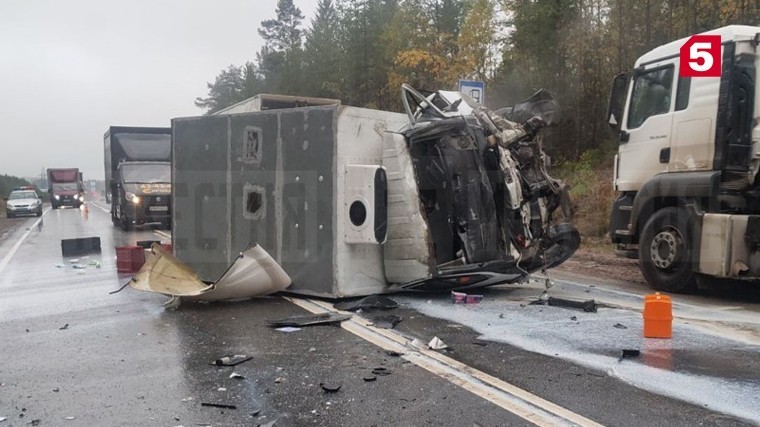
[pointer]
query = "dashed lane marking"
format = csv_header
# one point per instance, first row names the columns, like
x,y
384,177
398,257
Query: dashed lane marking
x,y
520,402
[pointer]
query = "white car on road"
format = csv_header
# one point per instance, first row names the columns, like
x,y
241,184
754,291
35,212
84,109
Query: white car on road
x,y
23,202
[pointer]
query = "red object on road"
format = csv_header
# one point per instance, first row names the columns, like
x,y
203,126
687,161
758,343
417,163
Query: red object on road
x,y
658,316
129,259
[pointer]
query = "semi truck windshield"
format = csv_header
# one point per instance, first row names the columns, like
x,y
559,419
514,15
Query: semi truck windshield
x,y
146,173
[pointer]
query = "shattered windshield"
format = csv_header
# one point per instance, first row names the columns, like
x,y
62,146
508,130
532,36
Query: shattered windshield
x,y
146,173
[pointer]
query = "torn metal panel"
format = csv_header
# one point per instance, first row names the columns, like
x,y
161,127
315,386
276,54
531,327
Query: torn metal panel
x,y
253,273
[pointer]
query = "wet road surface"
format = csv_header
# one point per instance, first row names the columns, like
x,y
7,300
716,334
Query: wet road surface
x,y
70,349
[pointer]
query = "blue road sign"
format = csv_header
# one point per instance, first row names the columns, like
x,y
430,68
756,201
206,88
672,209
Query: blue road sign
x,y
476,90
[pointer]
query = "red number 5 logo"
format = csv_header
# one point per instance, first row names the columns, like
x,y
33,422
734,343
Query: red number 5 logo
x,y
700,56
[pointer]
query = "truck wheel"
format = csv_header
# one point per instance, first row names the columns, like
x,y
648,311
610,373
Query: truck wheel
x,y
126,223
665,251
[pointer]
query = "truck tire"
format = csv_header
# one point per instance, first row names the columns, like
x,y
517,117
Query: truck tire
x,y
126,223
666,251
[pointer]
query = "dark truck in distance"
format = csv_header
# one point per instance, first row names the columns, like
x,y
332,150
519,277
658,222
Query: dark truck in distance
x,y
138,175
65,187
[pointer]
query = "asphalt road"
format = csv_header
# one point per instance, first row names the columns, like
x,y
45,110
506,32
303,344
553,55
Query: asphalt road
x,y
73,354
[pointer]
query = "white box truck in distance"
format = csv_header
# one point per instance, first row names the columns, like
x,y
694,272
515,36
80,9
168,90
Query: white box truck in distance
x,y
686,171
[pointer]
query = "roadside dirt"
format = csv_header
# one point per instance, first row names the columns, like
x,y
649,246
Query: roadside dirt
x,y
603,265
8,226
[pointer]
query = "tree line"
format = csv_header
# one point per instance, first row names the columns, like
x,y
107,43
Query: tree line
x,y
361,51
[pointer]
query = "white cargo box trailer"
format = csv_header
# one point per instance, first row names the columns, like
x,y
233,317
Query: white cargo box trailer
x,y
337,197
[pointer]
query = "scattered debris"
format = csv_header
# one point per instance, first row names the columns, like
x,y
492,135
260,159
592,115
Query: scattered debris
x,y
589,306
480,343
629,354
437,344
369,378
463,298
392,353
80,246
318,319
79,266
56,390
236,376
288,329
70,418
279,380
187,399
232,360
221,389
3,419
64,327
219,405
415,343
255,412
311,349
573,318
269,424
388,321
380,371
620,326
35,422
60,266
371,302
330,387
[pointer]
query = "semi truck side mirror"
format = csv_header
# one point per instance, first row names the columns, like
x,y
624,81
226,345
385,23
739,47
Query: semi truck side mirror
x,y
617,101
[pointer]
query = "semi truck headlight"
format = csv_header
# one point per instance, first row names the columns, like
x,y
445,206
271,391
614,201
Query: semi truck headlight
x,y
81,198
57,197
134,198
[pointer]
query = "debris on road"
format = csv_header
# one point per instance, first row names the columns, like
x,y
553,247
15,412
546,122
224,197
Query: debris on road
x,y
79,266
219,405
80,246
480,343
236,376
392,353
620,326
330,387
437,344
56,390
288,329
369,378
380,371
629,354
70,418
232,360
35,422
3,419
387,322
463,298
318,319
279,380
372,302
589,306
253,273
64,327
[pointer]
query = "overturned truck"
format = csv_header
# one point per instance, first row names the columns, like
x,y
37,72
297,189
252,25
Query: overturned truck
x,y
352,201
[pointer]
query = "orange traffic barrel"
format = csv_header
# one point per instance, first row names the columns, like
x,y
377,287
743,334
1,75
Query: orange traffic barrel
x,y
658,316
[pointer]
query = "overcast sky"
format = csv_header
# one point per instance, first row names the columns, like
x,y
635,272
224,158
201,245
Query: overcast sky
x,y
69,69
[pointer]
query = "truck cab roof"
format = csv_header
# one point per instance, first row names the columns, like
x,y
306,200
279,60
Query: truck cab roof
x,y
728,33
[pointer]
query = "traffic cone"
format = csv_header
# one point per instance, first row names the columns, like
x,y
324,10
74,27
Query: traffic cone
x,y
658,316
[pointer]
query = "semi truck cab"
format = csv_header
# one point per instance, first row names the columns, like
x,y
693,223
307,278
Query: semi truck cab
x,y
686,171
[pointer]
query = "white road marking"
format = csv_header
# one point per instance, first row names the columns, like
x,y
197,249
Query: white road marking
x,y
507,396
18,243
163,234
106,210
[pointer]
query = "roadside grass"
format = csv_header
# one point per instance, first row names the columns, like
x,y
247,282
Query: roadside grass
x,y
592,193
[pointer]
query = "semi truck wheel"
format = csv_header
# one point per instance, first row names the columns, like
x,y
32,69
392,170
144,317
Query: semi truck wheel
x,y
665,251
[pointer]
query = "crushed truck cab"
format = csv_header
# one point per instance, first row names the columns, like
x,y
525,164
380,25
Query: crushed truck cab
x,y
687,166
353,201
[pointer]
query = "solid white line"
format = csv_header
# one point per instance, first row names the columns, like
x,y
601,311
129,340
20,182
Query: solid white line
x,y
106,210
507,396
163,234
15,247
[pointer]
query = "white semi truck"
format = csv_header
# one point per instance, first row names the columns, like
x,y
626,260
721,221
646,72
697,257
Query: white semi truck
x,y
686,172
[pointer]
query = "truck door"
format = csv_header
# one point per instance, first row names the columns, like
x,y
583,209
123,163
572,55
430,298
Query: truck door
x,y
646,129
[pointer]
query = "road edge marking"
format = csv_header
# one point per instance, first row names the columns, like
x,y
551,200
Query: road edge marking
x,y
19,242
515,400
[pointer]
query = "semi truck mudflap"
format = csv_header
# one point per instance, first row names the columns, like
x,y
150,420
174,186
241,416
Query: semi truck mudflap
x,y
484,191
